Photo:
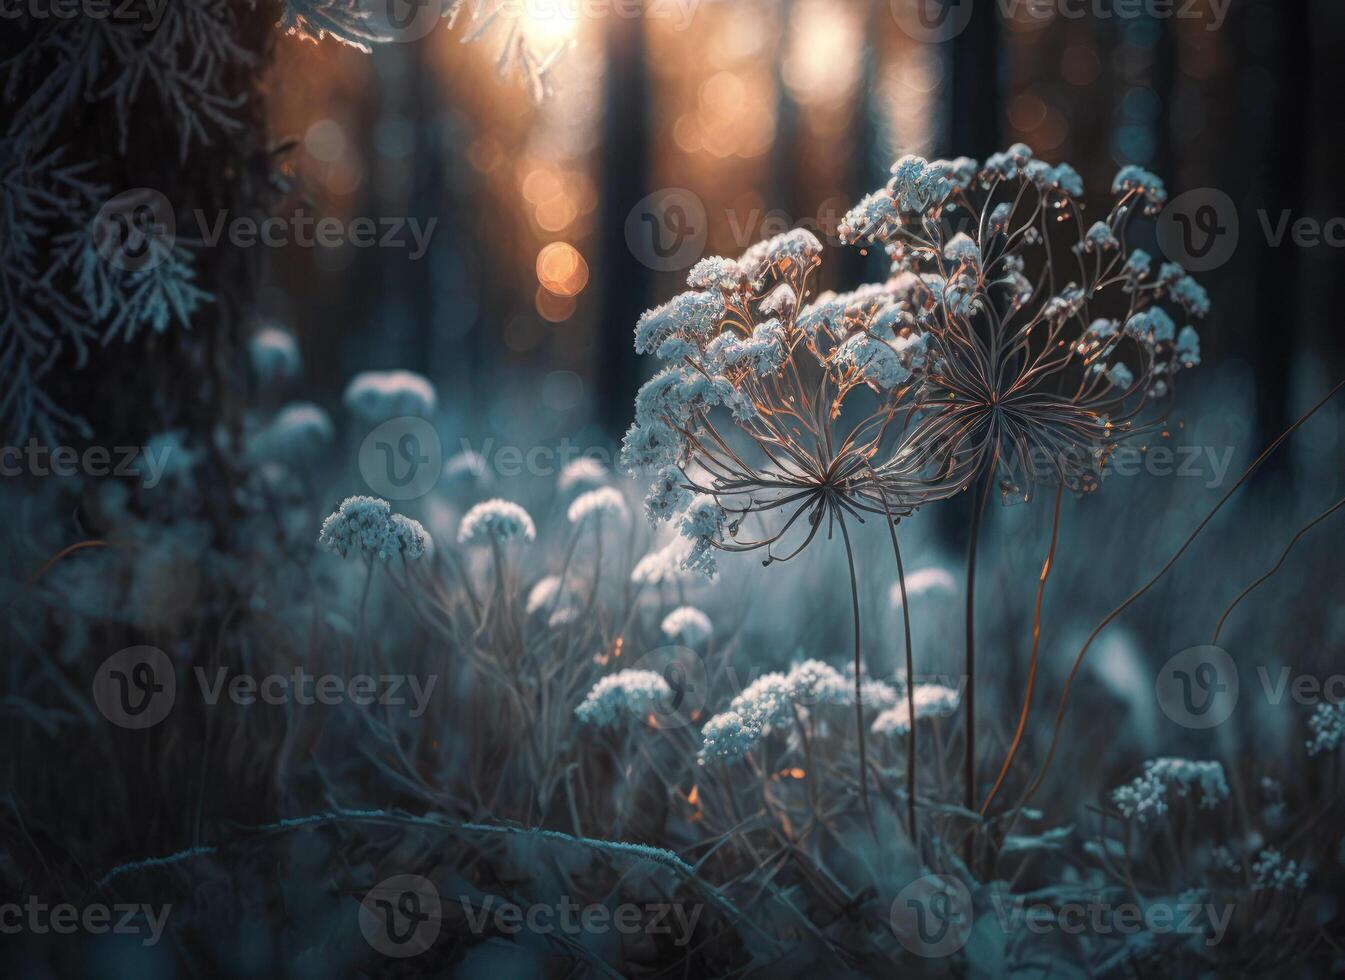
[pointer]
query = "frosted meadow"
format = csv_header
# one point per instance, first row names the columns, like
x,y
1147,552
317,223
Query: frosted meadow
x,y
953,624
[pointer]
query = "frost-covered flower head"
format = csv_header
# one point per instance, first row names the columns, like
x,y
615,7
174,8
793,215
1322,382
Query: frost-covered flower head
x,y
1027,376
931,701
771,700
748,416
582,474
1327,725
604,505
1146,797
495,520
300,430
467,467
376,396
663,565
1274,872
688,625
626,693
368,527
924,581
274,355
544,594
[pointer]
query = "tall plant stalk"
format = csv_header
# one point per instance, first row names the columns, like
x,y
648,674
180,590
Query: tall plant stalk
x,y
859,693
969,756
911,781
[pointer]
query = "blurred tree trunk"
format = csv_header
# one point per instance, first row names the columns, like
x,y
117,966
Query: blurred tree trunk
x,y
1276,328
976,103
624,282
866,173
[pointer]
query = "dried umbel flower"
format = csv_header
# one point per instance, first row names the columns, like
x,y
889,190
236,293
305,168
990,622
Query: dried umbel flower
x,y
367,526
688,625
931,701
376,396
626,693
495,521
1026,379
746,419
604,504
1146,797
583,473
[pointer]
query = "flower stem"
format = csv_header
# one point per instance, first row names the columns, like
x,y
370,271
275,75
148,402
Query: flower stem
x,y
969,757
859,693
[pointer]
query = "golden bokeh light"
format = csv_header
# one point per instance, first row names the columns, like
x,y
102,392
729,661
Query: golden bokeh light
x,y
561,269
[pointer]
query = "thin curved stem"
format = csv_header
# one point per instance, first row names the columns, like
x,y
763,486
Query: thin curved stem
x,y
1139,593
911,781
969,754
1032,661
1277,566
859,693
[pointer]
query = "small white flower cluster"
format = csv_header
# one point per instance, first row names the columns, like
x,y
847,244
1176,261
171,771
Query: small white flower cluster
x,y
376,396
1275,873
1327,725
688,625
663,565
931,701
274,356
368,526
495,520
300,430
468,466
1145,798
603,504
924,581
770,700
580,474
545,593
627,692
